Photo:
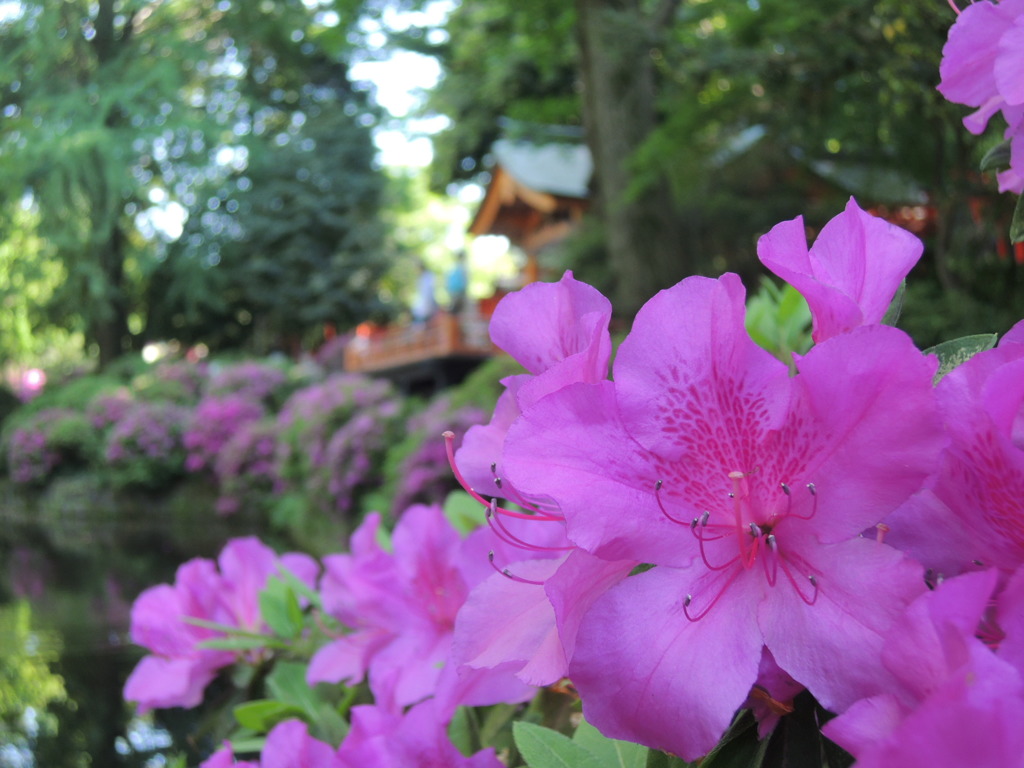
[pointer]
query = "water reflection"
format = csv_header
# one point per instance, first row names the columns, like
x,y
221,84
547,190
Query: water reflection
x,y
66,586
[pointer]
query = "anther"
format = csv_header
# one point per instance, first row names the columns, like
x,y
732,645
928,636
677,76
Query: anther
x,y
770,540
754,530
657,485
978,563
497,482
494,467
704,518
508,574
785,488
811,489
813,580
880,530
687,601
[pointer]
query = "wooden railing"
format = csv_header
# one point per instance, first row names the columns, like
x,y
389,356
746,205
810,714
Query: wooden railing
x,y
443,336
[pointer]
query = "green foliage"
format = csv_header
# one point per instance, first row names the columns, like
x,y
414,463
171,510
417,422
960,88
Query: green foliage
x,y
501,59
779,320
1017,225
956,352
27,680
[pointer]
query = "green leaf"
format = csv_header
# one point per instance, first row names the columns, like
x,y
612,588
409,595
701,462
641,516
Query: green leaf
x,y
657,759
287,683
544,748
997,158
1017,225
463,512
264,714
301,588
239,643
958,351
611,753
247,746
464,731
892,314
739,747
280,608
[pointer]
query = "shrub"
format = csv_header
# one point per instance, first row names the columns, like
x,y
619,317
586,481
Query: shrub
x,y
312,415
259,381
215,420
144,449
40,444
245,467
418,466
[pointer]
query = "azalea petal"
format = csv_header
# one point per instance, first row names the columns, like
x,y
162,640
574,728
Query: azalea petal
x,y
505,620
540,326
833,645
482,445
868,720
688,365
852,271
648,674
1009,64
571,447
159,683
1010,608
969,55
574,587
866,465
347,658
289,745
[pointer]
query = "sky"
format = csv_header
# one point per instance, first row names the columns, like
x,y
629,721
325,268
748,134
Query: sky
x,y
400,81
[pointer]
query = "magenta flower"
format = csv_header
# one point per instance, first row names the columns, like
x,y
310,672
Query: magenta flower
x,y
851,273
559,333
981,67
749,490
952,702
972,509
383,738
288,745
400,610
177,670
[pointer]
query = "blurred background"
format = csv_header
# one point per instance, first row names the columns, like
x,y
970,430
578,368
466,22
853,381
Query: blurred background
x,y
187,185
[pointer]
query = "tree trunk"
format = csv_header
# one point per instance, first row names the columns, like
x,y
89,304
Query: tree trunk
x,y
109,324
619,111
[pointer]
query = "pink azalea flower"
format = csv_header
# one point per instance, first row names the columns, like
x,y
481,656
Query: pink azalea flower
x,y
953,702
972,509
528,616
177,670
400,610
851,273
981,67
383,738
288,745
559,333
749,490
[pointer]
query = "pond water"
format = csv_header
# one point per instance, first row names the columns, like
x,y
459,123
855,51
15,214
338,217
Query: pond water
x,y
72,560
